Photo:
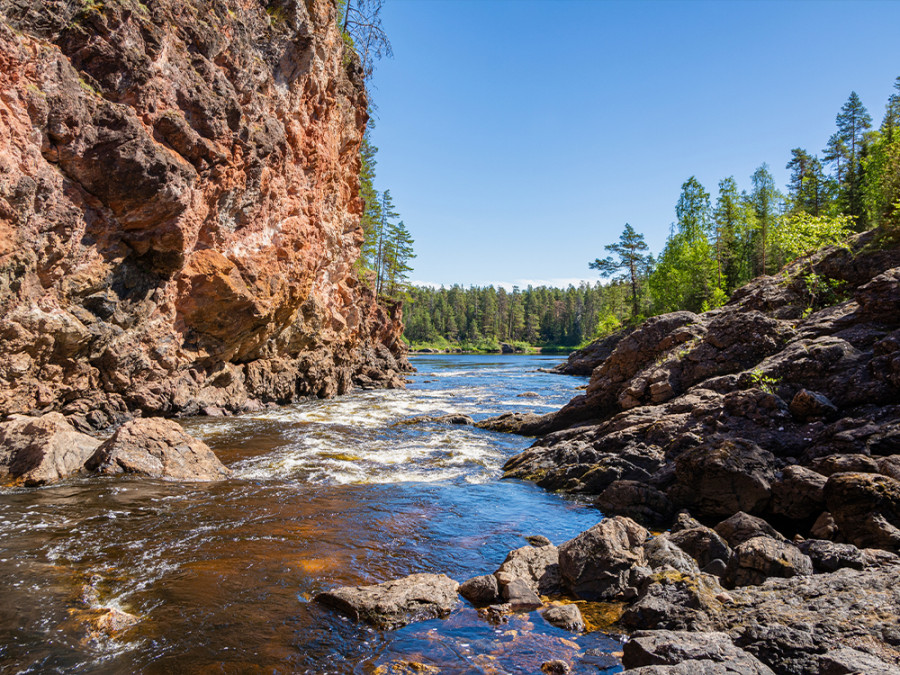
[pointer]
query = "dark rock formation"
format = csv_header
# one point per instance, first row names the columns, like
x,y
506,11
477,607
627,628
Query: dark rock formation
x,y
596,565
700,653
567,617
158,448
760,558
537,566
179,210
41,450
396,603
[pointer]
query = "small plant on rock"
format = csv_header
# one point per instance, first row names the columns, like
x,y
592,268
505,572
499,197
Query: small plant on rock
x,y
762,381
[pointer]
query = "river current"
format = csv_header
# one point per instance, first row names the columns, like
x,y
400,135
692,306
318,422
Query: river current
x,y
348,491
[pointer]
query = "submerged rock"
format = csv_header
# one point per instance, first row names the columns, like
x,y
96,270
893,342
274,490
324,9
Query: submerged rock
x,y
567,617
157,448
42,450
396,603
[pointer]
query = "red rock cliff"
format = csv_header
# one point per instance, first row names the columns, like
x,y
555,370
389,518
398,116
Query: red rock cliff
x,y
179,211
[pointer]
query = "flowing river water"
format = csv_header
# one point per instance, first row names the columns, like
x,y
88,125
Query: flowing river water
x,y
346,491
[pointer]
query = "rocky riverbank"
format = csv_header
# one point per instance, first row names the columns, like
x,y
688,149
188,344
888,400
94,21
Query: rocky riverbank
x,y
775,418
179,210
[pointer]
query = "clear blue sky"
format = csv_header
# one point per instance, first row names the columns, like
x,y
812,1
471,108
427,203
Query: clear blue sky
x,y
517,137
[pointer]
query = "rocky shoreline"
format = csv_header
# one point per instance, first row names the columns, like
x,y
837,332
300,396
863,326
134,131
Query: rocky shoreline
x,y
761,441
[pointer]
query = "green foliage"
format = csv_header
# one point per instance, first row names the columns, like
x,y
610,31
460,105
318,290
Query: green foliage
x,y
800,234
823,291
631,261
762,381
536,316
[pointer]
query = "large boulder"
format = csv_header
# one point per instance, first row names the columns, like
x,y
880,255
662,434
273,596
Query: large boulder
x,y
699,653
702,543
720,478
596,564
41,450
480,591
743,527
848,661
798,493
396,603
828,556
158,448
567,617
537,566
866,508
638,501
676,601
661,553
759,558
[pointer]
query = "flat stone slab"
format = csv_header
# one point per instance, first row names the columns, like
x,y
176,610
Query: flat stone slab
x,y
396,603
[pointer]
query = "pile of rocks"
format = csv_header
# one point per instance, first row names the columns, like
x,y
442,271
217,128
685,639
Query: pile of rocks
x,y
42,450
736,598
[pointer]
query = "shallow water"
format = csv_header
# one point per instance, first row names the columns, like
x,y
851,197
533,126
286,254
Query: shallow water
x,y
325,493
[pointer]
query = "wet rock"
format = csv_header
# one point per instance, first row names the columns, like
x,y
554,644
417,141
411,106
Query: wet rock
x,y
798,493
661,552
567,617
718,479
676,601
866,508
108,621
702,543
698,653
465,420
853,662
158,448
597,563
538,566
517,592
757,559
832,464
481,591
742,527
42,450
537,540
555,667
396,603
528,394
525,424
828,556
638,501
809,405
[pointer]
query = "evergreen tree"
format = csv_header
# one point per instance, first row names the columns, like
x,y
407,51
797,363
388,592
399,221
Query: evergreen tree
x,y
807,190
398,251
371,212
764,199
845,152
728,222
852,122
890,126
630,258
385,223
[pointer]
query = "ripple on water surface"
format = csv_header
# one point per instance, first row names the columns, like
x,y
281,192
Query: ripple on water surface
x,y
325,493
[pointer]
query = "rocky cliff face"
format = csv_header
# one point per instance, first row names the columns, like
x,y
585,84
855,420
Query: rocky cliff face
x,y
179,211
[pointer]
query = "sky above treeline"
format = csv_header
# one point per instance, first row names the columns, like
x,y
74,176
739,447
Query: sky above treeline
x,y
517,137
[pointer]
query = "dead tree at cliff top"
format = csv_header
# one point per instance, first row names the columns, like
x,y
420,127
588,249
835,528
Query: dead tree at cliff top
x,y
362,28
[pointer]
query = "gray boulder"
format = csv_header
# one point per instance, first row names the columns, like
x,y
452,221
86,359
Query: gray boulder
x,y
538,566
481,591
596,564
851,662
742,527
396,603
567,617
661,552
690,653
759,558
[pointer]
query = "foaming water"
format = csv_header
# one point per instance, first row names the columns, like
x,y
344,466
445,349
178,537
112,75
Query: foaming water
x,y
358,489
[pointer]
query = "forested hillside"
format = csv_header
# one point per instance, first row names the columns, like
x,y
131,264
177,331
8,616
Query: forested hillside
x,y
716,244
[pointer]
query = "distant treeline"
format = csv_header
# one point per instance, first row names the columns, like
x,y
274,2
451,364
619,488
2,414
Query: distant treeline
x,y
537,316
712,249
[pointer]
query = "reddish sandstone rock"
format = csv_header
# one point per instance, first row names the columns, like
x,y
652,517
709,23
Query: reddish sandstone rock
x,y
41,450
158,448
179,210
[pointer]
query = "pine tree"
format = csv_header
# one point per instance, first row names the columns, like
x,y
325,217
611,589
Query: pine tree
x,y
807,190
764,199
398,251
852,123
371,213
890,126
845,152
726,226
631,259
385,223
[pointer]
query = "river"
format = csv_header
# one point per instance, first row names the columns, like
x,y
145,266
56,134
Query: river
x,y
351,490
